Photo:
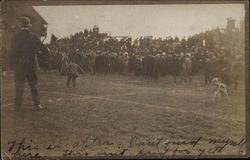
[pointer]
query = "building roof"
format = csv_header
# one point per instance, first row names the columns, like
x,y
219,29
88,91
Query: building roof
x,y
13,12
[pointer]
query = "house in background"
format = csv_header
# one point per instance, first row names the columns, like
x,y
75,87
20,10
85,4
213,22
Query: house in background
x,y
10,14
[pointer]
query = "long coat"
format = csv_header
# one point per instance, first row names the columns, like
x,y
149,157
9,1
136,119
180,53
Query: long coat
x,y
25,50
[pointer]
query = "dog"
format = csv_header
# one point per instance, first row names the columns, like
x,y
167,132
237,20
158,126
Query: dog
x,y
220,88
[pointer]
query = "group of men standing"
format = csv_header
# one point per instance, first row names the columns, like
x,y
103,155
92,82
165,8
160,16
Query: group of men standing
x,y
184,64
148,65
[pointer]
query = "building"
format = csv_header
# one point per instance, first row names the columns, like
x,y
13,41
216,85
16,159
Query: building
x,y
10,14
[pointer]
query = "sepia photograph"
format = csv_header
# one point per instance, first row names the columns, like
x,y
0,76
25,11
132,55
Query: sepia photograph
x,y
124,79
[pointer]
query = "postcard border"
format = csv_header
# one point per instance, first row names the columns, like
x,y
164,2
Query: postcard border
x,y
159,2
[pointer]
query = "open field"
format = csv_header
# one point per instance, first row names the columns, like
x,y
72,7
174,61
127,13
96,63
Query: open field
x,y
106,112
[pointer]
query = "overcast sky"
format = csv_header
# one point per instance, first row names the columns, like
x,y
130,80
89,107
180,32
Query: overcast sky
x,y
139,20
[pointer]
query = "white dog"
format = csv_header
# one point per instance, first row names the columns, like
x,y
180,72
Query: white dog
x,y
220,88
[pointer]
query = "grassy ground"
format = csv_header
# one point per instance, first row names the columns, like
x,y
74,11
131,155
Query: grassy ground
x,y
116,108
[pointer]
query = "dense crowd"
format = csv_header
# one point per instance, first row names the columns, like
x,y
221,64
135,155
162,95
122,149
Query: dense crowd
x,y
147,56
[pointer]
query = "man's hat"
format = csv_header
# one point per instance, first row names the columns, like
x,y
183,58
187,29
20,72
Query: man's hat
x,y
164,54
25,21
158,55
188,54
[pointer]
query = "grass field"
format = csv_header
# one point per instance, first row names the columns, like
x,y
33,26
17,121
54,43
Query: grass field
x,y
115,108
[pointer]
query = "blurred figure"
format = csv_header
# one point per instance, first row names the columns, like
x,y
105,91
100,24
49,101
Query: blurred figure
x,y
48,64
186,68
236,70
63,63
72,72
207,70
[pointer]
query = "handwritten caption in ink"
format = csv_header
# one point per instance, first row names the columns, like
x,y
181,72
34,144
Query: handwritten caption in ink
x,y
133,146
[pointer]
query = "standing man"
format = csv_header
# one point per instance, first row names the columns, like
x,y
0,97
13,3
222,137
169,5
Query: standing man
x,y
25,49
207,70
188,62
237,72
186,68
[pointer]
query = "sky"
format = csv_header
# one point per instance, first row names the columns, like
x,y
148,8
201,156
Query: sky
x,y
139,20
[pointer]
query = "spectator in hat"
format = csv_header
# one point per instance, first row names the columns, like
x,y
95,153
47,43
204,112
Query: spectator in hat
x,y
186,68
188,62
237,72
25,49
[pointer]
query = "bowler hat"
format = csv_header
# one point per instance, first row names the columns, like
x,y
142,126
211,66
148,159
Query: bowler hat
x,y
25,21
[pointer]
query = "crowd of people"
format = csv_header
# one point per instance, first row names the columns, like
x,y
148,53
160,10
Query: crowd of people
x,y
211,54
146,56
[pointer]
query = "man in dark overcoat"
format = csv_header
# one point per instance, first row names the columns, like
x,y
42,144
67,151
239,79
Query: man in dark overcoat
x,y
24,61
